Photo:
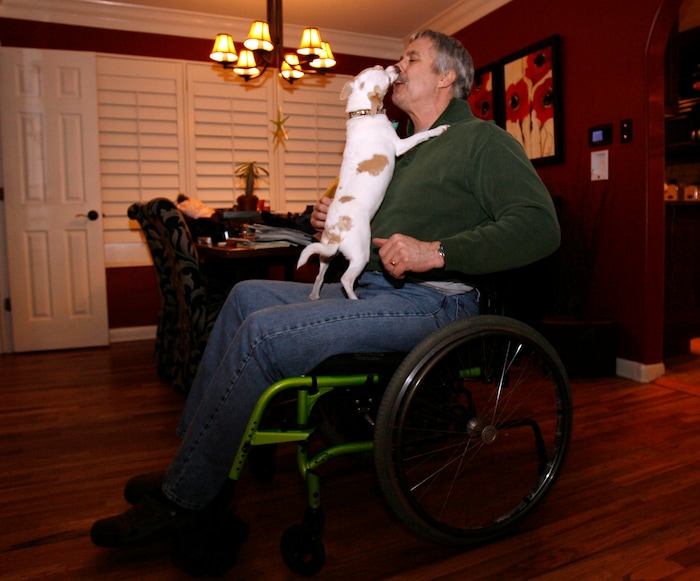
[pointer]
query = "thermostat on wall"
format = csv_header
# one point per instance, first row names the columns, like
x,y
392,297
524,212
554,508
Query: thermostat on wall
x,y
600,135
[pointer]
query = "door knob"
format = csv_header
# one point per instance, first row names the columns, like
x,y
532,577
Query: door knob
x,y
91,215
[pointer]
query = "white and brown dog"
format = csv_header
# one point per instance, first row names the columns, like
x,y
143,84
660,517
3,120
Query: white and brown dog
x,y
371,148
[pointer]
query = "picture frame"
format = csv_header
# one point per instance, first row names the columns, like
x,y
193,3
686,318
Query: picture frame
x,y
484,97
522,94
531,100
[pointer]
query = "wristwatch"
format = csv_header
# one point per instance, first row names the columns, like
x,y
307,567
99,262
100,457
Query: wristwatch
x,y
441,251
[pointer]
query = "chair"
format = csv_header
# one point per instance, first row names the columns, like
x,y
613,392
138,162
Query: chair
x,y
187,311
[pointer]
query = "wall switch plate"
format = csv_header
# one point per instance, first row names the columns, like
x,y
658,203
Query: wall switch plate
x,y
599,165
625,130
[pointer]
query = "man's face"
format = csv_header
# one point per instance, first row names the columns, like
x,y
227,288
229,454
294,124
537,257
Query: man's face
x,y
417,81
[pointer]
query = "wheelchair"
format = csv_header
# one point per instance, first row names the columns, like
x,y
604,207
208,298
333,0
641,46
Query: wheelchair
x,y
468,432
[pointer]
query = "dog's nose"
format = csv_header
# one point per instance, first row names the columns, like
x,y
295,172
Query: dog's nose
x,y
393,72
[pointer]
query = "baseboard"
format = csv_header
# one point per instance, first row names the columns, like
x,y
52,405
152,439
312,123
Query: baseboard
x,y
638,371
123,334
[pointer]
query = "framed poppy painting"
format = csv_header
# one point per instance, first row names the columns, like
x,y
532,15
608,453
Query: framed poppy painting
x,y
531,100
485,86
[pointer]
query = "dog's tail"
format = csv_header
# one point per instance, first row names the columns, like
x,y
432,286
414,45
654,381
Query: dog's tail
x,y
327,250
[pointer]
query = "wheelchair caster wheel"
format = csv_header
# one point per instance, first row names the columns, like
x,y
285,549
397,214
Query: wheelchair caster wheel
x,y
302,551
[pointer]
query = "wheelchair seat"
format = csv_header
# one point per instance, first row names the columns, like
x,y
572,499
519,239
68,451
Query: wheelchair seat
x,y
348,363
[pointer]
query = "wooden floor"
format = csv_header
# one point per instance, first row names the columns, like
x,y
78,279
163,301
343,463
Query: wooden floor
x,y
75,425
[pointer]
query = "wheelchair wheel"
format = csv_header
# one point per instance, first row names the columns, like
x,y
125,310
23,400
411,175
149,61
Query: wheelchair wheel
x,y
472,430
303,551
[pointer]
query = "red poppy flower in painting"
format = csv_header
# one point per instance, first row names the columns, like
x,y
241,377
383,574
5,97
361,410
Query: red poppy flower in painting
x,y
481,97
517,101
538,64
543,101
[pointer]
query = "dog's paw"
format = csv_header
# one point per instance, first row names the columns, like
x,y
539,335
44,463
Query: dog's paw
x,y
437,130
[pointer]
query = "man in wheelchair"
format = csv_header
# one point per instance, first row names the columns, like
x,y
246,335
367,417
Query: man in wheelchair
x,y
463,204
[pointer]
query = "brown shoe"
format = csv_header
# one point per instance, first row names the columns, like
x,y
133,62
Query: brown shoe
x,y
152,518
211,549
139,486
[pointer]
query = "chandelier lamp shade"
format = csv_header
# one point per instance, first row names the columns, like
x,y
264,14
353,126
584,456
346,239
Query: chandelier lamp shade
x,y
264,48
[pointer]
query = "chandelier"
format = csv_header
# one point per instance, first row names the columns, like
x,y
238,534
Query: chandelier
x,y
264,48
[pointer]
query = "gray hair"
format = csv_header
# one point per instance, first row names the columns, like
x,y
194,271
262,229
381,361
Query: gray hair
x,y
451,56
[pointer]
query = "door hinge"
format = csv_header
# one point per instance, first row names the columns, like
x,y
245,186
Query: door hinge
x,y
8,304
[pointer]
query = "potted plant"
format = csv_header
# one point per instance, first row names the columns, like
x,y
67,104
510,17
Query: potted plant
x,y
250,172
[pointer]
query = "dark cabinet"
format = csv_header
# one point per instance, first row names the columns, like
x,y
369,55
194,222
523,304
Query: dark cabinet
x,y
682,289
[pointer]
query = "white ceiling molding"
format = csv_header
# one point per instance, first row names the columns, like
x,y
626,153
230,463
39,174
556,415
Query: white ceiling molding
x,y
463,14
138,18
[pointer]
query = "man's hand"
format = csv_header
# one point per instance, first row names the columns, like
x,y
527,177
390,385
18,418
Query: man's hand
x,y
319,213
401,254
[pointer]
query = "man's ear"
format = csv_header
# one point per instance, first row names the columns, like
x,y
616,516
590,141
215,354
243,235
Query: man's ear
x,y
447,79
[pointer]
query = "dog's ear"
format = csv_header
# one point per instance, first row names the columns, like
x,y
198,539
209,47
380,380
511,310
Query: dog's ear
x,y
347,89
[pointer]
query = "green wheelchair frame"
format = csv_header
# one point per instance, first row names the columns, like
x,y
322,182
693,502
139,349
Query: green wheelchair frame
x,y
470,435
310,389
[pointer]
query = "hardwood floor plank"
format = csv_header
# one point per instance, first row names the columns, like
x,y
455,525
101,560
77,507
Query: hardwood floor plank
x,y
74,426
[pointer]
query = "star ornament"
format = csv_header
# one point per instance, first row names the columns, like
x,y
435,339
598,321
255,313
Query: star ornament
x,y
279,132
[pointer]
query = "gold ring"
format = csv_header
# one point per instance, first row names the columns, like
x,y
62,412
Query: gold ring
x,y
393,263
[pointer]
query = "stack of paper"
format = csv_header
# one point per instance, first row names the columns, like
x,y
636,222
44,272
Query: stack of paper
x,y
265,233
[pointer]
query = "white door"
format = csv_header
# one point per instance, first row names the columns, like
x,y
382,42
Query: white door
x,y
48,106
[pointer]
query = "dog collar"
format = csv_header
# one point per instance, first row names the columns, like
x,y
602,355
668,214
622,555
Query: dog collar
x,y
363,112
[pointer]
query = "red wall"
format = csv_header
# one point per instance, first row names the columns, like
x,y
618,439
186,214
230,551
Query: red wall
x,y
133,298
612,56
612,65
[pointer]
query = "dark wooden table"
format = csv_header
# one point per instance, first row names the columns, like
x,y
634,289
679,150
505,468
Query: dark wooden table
x,y
224,266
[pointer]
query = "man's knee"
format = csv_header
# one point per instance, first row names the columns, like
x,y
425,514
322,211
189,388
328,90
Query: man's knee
x,y
244,298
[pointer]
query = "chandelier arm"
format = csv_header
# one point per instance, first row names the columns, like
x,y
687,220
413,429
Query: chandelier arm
x,y
261,72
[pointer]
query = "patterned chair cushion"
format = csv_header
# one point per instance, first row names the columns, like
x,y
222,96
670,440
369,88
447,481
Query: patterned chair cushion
x,y
186,313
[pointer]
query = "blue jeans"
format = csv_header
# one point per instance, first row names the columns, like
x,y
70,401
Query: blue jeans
x,y
268,330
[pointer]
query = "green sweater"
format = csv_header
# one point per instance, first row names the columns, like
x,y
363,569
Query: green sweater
x,y
473,189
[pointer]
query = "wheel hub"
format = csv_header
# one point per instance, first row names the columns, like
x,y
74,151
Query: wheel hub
x,y
488,434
